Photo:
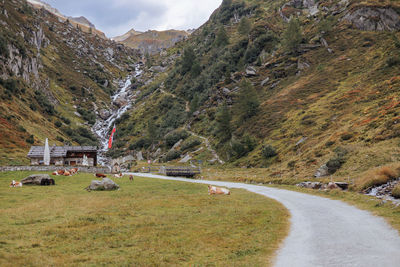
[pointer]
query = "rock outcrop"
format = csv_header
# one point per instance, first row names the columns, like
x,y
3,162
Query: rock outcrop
x,y
374,19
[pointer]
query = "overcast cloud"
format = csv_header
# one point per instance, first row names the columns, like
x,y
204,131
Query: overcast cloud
x,y
116,17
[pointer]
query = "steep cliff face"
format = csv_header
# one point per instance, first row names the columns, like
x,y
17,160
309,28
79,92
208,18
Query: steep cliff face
x,y
288,85
53,79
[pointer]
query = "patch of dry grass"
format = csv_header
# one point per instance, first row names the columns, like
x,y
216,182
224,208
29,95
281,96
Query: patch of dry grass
x,y
396,191
147,223
377,176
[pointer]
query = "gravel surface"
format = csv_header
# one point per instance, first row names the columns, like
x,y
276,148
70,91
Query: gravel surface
x,y
324,232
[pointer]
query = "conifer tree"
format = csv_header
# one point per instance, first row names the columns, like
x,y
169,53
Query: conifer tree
x,y
223,119
222,38
188,59
244,26
248,104
292,37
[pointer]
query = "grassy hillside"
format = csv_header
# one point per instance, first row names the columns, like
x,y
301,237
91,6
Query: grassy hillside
x,y
286,95
147,222
53,80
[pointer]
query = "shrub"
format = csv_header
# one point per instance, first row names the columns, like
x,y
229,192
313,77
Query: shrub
x,y
65,120
143,142
190,143
269,151
334,164
30,140
346,136
3,46
396,191
173,154
329,143
393,61
174,137
58,124
44,102
60,139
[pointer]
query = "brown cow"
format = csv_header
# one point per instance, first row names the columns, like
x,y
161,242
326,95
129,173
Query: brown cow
x,y
73,171
213,190
15,184
100,175
58,172
131,178
67,173
118,175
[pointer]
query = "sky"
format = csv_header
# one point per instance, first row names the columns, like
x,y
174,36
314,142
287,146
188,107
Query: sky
x,y
116,17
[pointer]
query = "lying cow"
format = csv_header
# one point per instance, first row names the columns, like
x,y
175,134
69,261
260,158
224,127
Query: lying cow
x,y
67,173
213,190
100,175
73,171
59,172
118,175
15,184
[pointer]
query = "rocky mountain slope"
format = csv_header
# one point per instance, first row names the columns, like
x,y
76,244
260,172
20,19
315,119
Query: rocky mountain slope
x,y
294,86
80,22
151,41
54,79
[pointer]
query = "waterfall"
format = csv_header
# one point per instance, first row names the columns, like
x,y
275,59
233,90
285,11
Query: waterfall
x,y
101,127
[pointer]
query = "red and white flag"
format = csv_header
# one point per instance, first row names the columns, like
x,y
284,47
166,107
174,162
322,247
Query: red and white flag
x,y
110,141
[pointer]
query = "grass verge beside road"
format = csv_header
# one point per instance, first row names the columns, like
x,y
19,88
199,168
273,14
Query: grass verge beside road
x,y
147,222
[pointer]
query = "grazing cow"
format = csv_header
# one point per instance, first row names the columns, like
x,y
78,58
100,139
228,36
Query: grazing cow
x,y
213,190
100,175
131,178
15,184
118,175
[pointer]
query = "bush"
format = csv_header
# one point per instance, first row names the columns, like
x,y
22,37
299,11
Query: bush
x,y
292,37
30,140
60,139
174,137
396,191
44,102
393,61
334,164
329,143
268,152
3,46
143,142
346,136
173,154
89,116
190,143
58,124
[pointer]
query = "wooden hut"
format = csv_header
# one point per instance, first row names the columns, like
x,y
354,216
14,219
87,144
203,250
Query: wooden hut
x,y
64,155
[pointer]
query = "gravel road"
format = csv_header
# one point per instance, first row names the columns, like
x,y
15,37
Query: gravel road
x,y
325,232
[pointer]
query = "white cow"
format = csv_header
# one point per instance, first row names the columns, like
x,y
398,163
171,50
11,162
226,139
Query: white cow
x,y
213,190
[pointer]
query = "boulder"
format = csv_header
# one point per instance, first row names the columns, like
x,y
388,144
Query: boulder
x,y
37,179
105,185
332,186
322,171
104,114
186,159
250,71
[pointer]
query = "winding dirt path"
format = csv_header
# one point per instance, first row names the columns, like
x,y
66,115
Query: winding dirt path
x,y
325,232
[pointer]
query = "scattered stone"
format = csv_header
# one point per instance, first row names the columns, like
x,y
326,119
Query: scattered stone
x,y
105,185
177,144
226,91
186,159
311,185
332,186
139,156
251,71
265,81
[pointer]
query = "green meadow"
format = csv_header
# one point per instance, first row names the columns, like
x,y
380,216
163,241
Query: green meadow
x,y
147,222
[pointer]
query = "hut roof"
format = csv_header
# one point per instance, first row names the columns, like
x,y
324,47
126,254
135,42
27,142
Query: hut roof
x,y
59,151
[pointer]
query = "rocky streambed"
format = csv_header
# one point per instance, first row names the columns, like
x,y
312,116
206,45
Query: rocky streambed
x,y
121,102
384,191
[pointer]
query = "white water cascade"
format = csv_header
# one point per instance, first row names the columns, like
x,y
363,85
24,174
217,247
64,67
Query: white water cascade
x,y
101,127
